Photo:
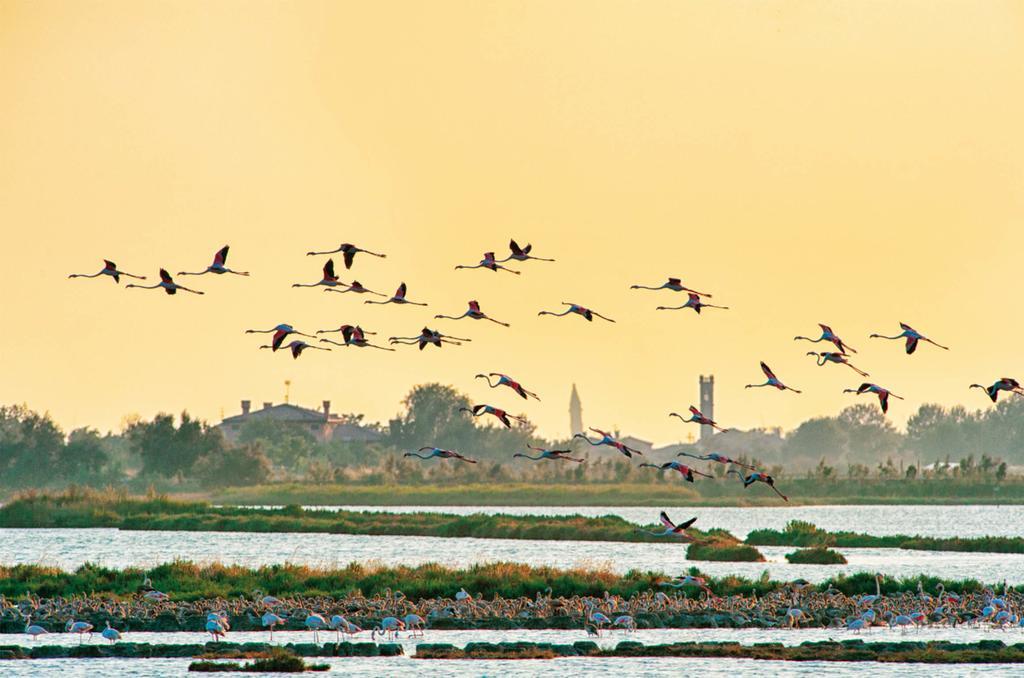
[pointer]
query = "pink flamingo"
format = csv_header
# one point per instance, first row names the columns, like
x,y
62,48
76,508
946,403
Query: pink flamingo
x,y
426,337
610,441
166,283
1005,384
520,253
342,329
674,284
489,263
882,393
671,529
502,416
912,336
399,298
828,335
109,268
683,469
772,380
354,336
693,302
837,358
348,253
297,347
356,287
280,332
218,266
579,310
758,476
474,313
328,279
505,380
439,453
557,455
698,418
716,457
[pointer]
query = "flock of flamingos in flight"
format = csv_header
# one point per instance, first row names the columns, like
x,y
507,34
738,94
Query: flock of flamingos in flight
x,y
354,335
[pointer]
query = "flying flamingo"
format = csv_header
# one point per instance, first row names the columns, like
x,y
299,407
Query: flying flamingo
x,y
556,455
440,454
166,283
502,416
218,267
109,268
828,335
489,263
772,380
883,394
505,380
1005,384
757,476
912,336
688,580
609,440
580,310
671,529
693,302
427,337
280,332
715,456
698,418
399,298
348,253
838,358
683,469
520,253
354,336
674,284
342,329
328,279
297,347
357,288
474,313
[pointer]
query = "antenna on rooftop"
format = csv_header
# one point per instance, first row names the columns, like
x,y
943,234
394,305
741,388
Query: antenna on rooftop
x,y
287,389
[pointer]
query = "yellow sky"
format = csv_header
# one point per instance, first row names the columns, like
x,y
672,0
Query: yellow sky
x,y
855,163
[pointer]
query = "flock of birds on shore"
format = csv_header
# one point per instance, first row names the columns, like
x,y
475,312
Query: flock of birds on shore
x,y
356,336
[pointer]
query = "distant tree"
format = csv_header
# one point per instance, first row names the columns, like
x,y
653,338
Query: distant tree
x,y
431,417
30,447
815,438
911,473
285,444
167,450
235,465
83,457
869,435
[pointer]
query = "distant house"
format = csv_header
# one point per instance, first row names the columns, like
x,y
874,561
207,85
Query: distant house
x,y
321,424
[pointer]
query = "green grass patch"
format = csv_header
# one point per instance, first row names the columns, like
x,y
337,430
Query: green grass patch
x,y
723,549
816,555
801,533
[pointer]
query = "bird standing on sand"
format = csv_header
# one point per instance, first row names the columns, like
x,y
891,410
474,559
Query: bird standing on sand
x,y
109,268
1007,384
693,302
772,380
828,335
578,310
882,393
912,336
348,253
218,266
837,358
166,283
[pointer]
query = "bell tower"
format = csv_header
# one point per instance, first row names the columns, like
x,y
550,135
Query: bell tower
x,y
575,413
707,404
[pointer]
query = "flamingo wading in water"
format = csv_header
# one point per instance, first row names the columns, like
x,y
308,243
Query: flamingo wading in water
x,y
912,336
109,268
166,283
218,266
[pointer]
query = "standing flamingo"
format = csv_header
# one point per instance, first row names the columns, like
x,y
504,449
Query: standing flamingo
x,y
270,620
111,634
427,337
109,268
697,417
166,283
716,457
1005,384
671,529
354,337
399,298
474,313
683,469
489,263
693,302
329,279
883,394
297,347
355,287
218,266
280,332
348,253
520,253
439,453
314,623
837,358
828,335
772,380
502,416
579,310
505,380
34,630
912,336
556,455
758,476
79,627
609,440
674,284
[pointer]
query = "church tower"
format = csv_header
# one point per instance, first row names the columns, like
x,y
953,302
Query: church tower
x,y
707,404
575,413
